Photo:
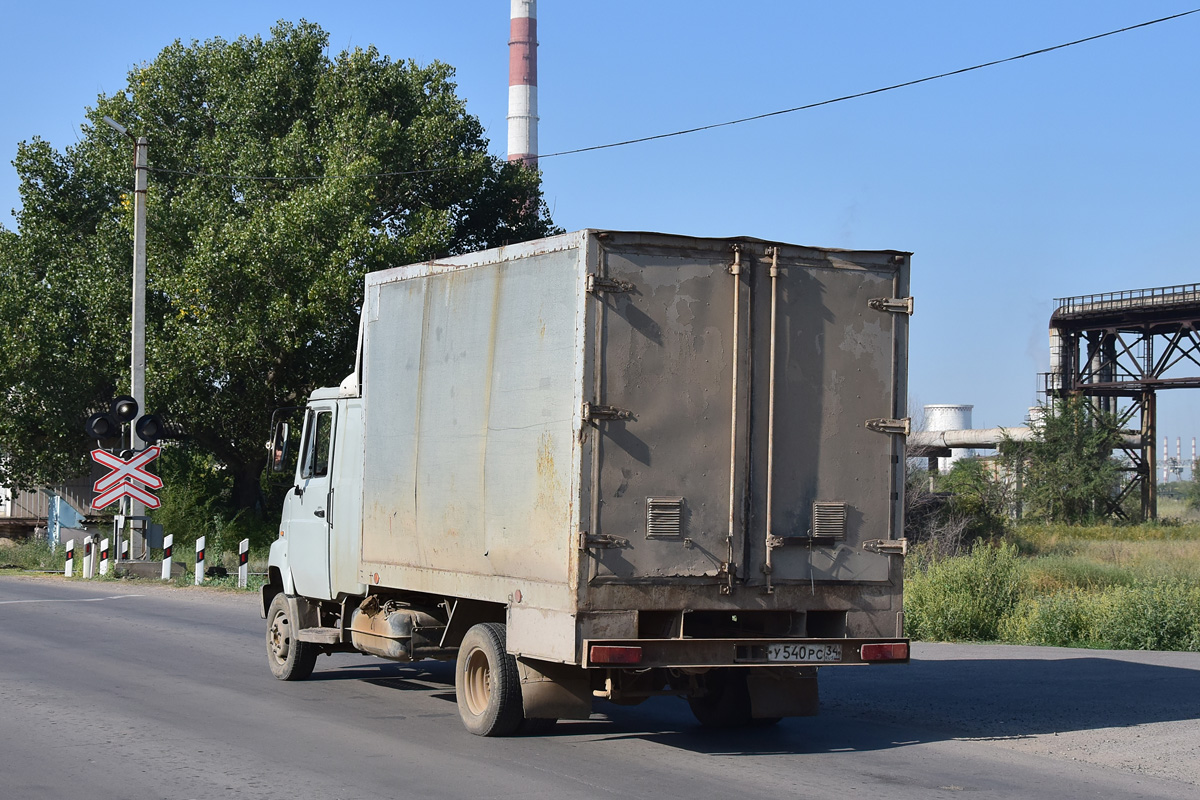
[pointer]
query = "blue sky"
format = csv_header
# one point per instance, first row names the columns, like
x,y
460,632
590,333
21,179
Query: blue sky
x,y
1062,174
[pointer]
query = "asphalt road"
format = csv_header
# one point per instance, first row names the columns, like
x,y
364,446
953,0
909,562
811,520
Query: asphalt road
x,y
126,690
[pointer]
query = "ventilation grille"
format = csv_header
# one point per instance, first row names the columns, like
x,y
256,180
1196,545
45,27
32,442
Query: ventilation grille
x,y
829,520
664,517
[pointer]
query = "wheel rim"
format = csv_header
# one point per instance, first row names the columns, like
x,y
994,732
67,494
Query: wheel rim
x,y
476,681
280,637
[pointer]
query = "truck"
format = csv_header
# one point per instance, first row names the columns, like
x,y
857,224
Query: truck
x,y
612,465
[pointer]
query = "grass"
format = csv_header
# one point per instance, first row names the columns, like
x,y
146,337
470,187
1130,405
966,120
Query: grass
x,y
1119,587
32,554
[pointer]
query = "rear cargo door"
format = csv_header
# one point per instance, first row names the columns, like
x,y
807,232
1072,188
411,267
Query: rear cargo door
x,y
826,459
748,424
663,413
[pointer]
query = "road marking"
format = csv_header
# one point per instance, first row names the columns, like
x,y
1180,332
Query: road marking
x,y
72,600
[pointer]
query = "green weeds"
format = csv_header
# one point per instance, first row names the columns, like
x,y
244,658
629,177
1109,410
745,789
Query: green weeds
x,y
33,554
1128,587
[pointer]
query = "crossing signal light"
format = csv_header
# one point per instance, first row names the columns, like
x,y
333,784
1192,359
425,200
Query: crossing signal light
x,y
124,408
102,426
149,428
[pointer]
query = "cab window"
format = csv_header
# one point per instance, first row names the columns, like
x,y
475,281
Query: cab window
x,y
316,450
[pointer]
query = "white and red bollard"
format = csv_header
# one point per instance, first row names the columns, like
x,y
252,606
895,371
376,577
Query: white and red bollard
x,y
168,543
69,568
88,569
104,556
124,549
243,562
200,561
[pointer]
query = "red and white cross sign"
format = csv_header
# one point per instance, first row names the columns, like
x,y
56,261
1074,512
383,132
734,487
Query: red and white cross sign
x,y
120,481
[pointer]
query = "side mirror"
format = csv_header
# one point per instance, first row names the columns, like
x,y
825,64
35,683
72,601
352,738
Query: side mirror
x,y
279,447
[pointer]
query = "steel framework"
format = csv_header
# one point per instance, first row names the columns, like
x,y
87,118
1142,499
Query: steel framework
x,y
1118,348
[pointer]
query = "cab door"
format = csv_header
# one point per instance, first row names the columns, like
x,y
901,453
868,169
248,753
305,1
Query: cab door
x,y
312,504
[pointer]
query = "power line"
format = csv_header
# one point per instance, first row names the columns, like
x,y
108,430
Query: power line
x,y
709,127
867,93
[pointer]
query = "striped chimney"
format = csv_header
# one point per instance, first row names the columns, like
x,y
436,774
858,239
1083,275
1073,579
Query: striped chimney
x,y
522,83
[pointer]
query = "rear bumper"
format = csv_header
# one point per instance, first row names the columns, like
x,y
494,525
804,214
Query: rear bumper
x,y
775,652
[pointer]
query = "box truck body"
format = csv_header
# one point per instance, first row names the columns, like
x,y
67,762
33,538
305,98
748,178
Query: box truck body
x,y
639,463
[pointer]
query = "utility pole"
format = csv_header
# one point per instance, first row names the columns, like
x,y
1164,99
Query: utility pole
x,y
137,361
138,349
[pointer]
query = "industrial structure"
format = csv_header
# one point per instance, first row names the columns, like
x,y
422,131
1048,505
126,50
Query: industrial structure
x,y
942,417
1118,348
1175,466
522,83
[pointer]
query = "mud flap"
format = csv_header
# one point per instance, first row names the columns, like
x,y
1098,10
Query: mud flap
x,y
304,614
554,691
782,692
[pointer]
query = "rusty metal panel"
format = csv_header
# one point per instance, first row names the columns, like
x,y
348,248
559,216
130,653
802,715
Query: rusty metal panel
x,y
739,375
836,367
391,384
471,403
533,413
668,360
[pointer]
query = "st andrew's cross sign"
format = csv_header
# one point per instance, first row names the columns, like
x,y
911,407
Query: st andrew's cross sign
x,y
119,482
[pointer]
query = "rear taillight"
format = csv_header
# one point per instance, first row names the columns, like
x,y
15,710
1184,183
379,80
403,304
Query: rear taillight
x,y
887,651
611,654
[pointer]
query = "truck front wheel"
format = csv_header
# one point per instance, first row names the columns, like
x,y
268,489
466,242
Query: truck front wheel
x,y
290,659
487,684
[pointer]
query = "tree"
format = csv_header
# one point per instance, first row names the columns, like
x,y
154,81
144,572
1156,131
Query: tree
x,y
279,177
971,503
1067,471
1190,489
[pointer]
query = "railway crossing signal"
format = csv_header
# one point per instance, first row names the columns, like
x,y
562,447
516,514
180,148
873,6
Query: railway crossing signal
x,y
126,470
119,482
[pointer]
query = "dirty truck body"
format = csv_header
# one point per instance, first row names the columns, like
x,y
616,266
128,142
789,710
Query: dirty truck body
x,y
610,465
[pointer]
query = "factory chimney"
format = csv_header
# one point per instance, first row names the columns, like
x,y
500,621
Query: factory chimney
x,y
522,83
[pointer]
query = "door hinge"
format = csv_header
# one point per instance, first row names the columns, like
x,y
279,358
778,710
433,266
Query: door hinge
x,y
901,426
597,284
595,412
888,547
589,540
726,573
896,305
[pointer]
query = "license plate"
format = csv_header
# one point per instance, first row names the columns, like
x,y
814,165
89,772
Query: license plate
x,y
804,653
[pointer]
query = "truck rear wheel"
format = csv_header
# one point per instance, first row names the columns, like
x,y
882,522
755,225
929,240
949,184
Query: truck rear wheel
x,y
486,683
289,658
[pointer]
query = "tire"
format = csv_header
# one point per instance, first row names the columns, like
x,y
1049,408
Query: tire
x,y
726,703
289,658
486,683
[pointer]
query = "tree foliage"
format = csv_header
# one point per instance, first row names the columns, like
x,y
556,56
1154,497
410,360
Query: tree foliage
x,y
1067,471
346,164
1189,490
948,514
980,495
